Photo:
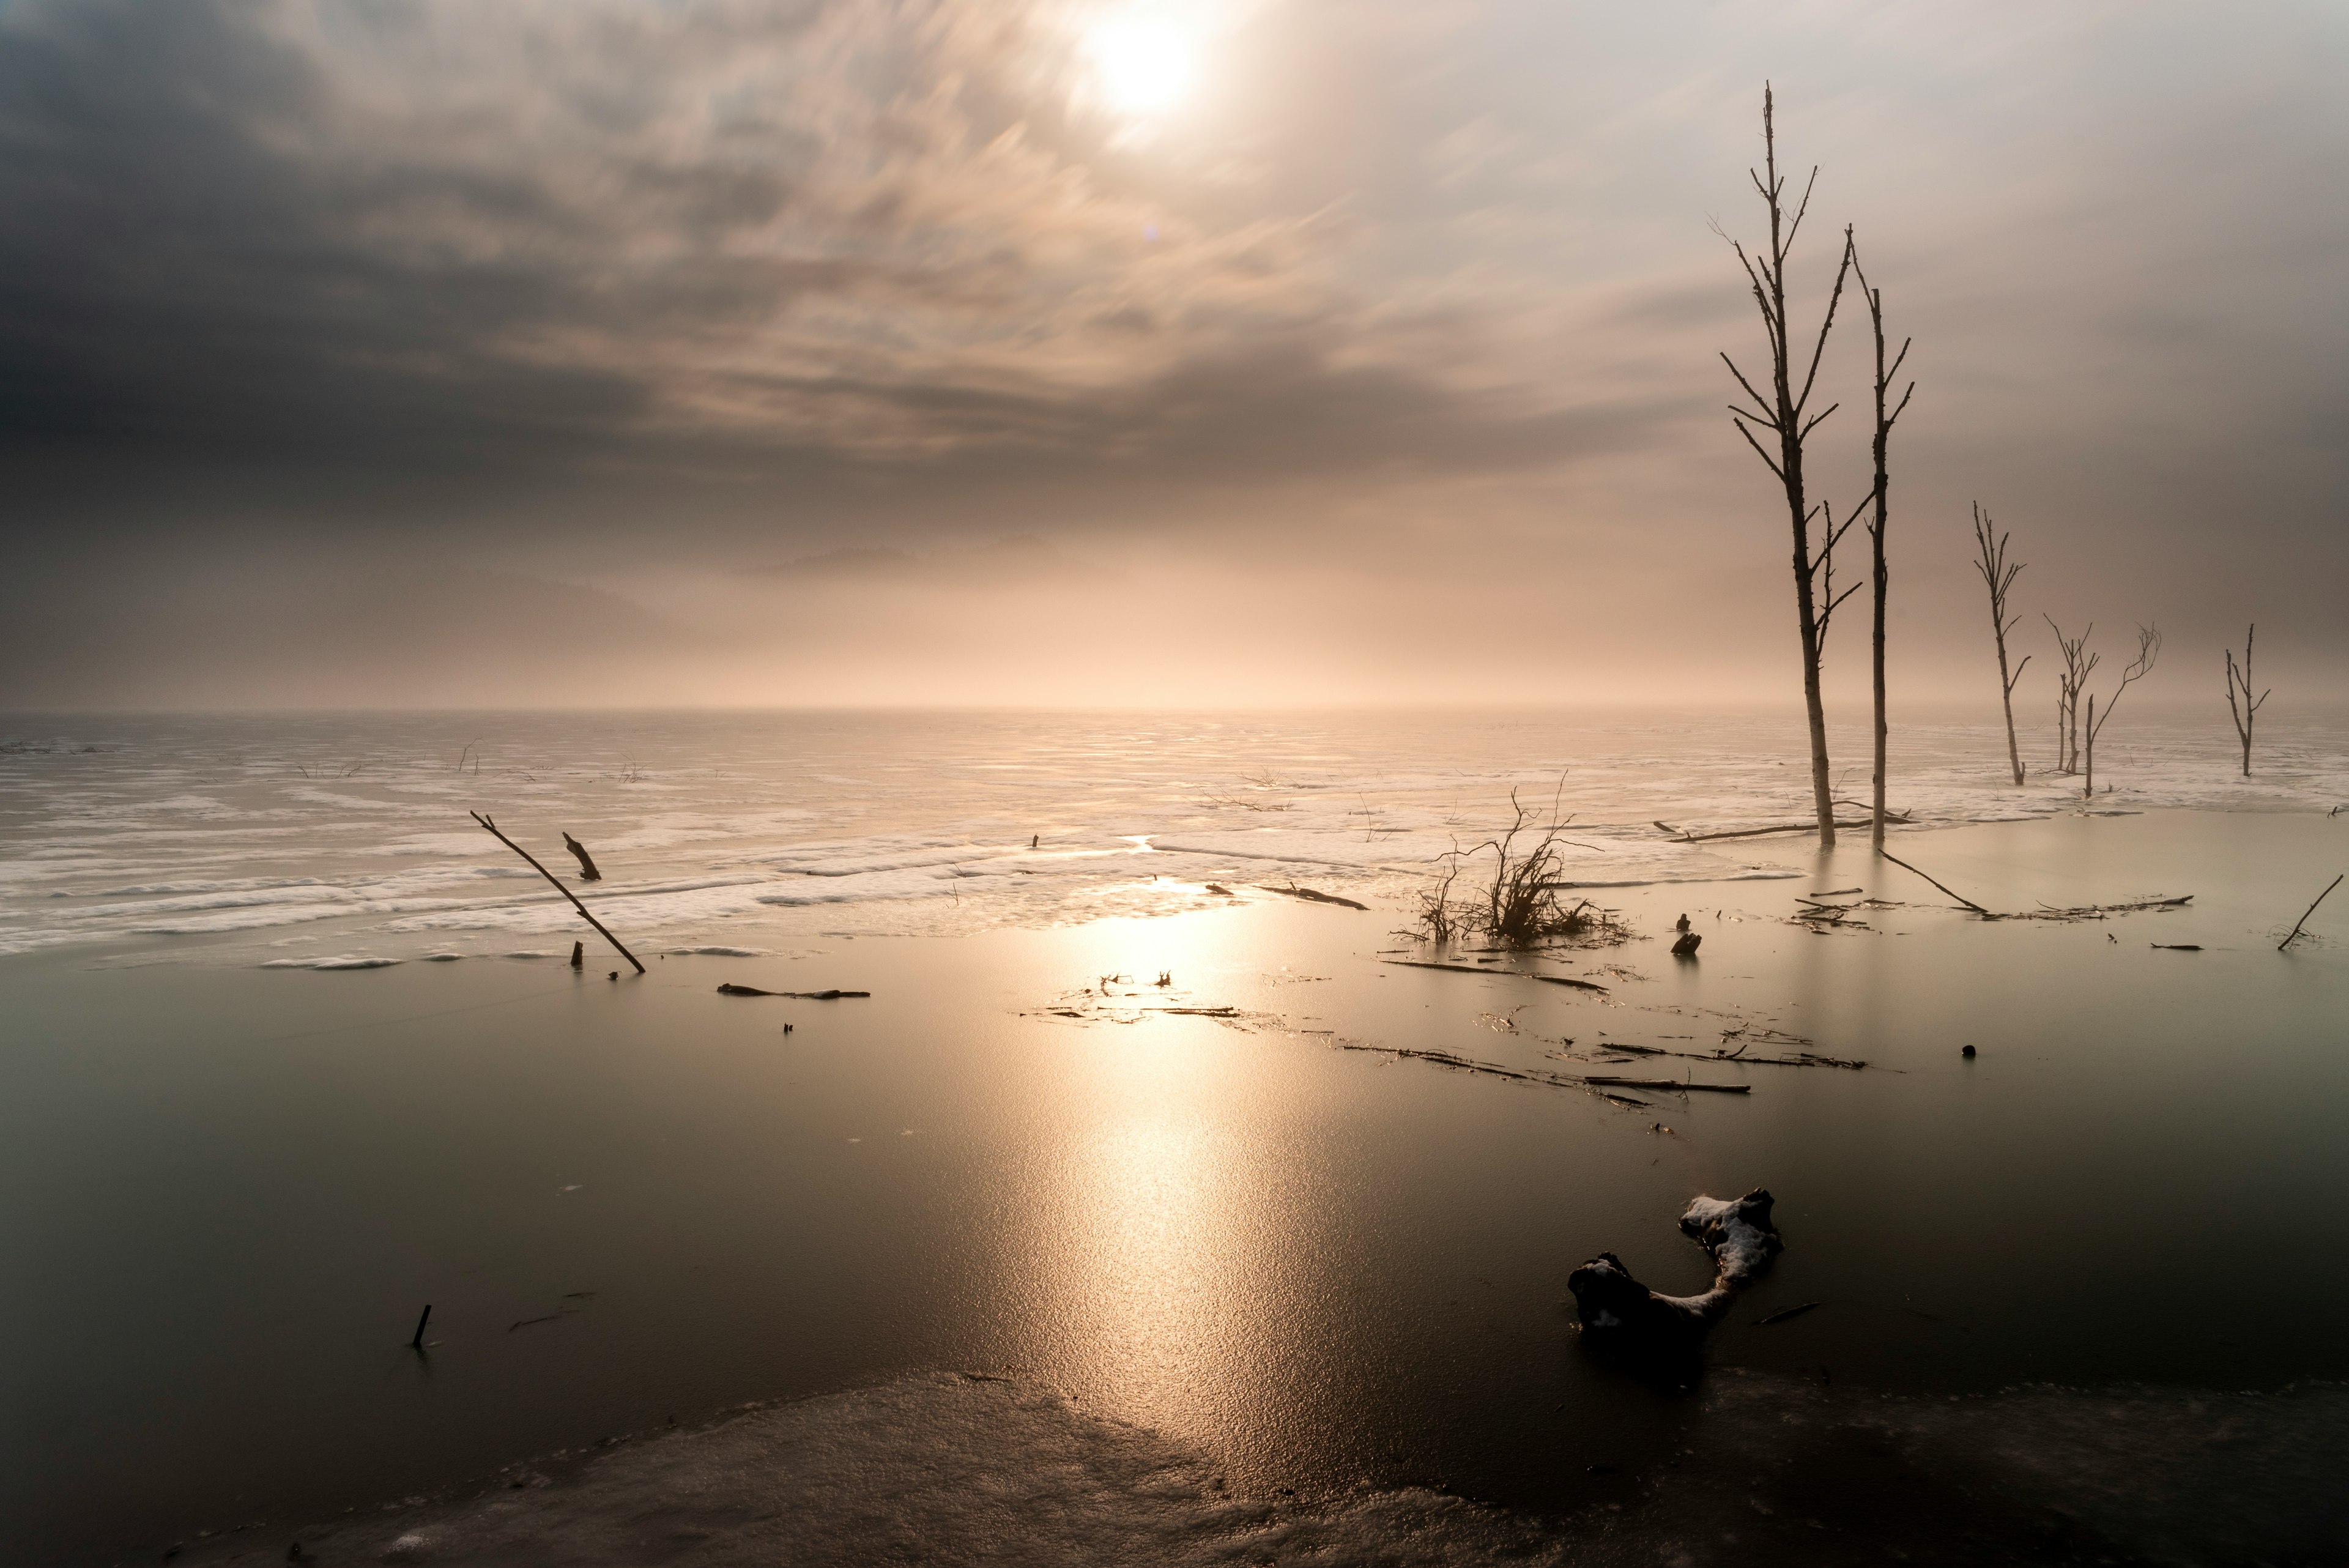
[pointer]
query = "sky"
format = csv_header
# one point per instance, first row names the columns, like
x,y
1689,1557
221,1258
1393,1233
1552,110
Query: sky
x,y
424,353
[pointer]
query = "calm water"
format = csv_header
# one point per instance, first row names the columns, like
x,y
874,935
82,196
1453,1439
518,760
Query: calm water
x,y
225,1190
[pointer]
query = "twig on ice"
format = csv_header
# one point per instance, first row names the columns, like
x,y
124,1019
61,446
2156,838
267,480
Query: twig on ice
x,y
1961,898
2310,911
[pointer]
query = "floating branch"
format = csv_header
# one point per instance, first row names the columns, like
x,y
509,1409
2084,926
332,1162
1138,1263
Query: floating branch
x,y
1685,837
1675,1085
559,888
1316,897
2049,911
1597,1084
1519,973
795,996
2310,911
2097,911
1737,1057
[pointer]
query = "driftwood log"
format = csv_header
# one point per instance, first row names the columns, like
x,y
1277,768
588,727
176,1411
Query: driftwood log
x,y
1515,973
1314,895
1738,1234
795,996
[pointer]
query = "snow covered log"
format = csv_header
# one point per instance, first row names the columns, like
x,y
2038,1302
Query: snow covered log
x,y
1738,1234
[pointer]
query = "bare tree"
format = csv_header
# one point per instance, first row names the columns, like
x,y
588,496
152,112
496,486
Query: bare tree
x,y
2148,648
1784,413
2077,664
2242,679
1881,498
1998,575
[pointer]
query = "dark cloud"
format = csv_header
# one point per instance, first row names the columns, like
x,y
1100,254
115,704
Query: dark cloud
x,y
582,286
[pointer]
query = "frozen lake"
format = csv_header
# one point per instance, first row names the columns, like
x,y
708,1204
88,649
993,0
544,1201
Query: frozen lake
x,y
229,1187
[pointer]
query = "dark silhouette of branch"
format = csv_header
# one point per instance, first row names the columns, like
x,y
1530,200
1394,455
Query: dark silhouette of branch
x,y
559,888
1881,498
2078,663
1765,275
2310,911
1998,575
2148,648
2249,710
1961,898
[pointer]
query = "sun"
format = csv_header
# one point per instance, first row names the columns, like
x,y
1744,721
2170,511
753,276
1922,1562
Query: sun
x,y
1142,66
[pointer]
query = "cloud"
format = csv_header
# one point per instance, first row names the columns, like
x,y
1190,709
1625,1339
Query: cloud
x,y
719,282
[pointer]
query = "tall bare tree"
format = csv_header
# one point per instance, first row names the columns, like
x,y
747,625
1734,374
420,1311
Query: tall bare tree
x,y
2242,679
2077,664
1998,575
2148,648
1785,414
1882,500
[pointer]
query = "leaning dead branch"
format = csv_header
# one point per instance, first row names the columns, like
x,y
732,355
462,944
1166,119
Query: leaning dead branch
x,y
559,888
2305,913
1998,574
2051,911
2241,680
1961,898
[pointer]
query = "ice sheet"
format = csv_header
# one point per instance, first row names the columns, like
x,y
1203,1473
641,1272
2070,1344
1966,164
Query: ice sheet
x,y
729,831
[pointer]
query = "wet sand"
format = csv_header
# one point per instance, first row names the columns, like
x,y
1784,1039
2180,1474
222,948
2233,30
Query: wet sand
x,y
1303,1267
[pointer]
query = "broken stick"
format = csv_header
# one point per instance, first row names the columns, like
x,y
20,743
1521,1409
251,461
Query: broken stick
x,y
587,872
2310,911
1961,898
559,888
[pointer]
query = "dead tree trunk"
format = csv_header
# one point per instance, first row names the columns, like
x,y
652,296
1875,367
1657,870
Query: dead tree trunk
x,y
2148,648
2250,709
1783,414
1998,576
2077,664
1882,501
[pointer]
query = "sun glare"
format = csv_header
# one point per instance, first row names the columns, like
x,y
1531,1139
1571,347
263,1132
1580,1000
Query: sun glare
x,y
1144,66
